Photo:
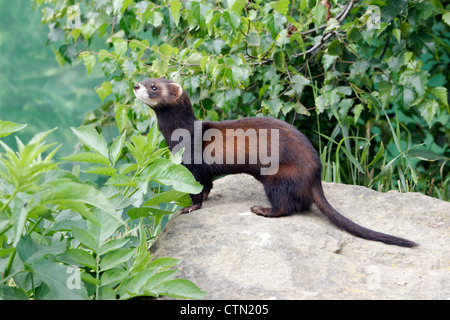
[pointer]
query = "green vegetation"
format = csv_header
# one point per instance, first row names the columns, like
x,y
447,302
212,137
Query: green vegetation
x,y
64,238
366,81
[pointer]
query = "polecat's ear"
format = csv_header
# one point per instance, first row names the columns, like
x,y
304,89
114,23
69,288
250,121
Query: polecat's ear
x,y
175,90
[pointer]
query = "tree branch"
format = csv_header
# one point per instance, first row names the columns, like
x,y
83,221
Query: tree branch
x,y
326,36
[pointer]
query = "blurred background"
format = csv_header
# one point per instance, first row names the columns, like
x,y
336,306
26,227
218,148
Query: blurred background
x,y
34,89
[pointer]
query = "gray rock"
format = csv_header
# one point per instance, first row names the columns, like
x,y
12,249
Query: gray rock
x,y
232,253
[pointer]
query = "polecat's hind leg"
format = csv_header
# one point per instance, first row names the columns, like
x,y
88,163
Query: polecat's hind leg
x,y
281,197
267,212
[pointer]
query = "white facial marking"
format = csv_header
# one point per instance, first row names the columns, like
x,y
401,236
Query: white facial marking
x,y
141,94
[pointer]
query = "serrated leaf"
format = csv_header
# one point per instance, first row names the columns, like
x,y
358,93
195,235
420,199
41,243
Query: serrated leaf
x,y
91,139
102,170
121,180
299,83
89,60
180,289
164,263
82,257
57,279
278,60
160,66
87,157
178,176
335,48
120,46
116,149
441,94
129,68
115,258
86,239
398,35
446,18
136,213
7,127
112,276
104,90
175,8
166,197
282,6
428,110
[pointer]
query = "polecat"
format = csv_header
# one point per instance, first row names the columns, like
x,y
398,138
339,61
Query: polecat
x,y
292,187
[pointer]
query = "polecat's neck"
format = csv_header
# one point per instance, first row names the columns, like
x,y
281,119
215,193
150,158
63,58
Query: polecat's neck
x,y
170,120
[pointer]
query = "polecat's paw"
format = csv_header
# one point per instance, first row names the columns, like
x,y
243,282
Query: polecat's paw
x,y
261,211
191,208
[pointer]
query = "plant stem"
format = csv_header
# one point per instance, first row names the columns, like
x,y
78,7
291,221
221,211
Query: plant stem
x,y
10,262
97,275
10,199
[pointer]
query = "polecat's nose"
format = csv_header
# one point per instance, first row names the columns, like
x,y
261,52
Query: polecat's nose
x,y
137,86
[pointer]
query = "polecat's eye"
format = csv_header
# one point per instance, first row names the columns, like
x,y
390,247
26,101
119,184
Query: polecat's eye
x,y
154,88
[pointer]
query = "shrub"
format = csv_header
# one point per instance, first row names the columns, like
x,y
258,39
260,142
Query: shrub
x,y
65,238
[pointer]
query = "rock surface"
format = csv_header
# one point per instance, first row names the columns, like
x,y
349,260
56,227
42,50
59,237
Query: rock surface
x,y
232,253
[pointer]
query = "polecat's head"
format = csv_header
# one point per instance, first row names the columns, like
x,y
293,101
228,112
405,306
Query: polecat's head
x,y
159,92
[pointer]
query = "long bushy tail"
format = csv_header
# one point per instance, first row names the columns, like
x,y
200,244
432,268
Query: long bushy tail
x,y
353,228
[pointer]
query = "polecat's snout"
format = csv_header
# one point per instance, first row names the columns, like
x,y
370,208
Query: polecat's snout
x,y
158,92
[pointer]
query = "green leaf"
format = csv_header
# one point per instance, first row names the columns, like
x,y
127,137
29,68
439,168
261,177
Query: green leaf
x,y
121,180
136,213
398,35
91,139
178,176
65,192
403,95
428,110
129,68
58,280
113,245
86,239
82,257
378,156
121,116
160,66
101,170
89,60
120,46
7,127
87,157
252,38
299,83
175,8
11,293
282,6
115,150
318,13
441,94
278,60
164,263
113,276
180,289
166,197
104,90
335,48
115,258
446,18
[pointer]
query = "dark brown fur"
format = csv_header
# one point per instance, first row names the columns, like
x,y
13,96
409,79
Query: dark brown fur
x,y
294,188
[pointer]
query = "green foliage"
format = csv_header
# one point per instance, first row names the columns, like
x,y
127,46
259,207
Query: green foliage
x,y
65,238
373,73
